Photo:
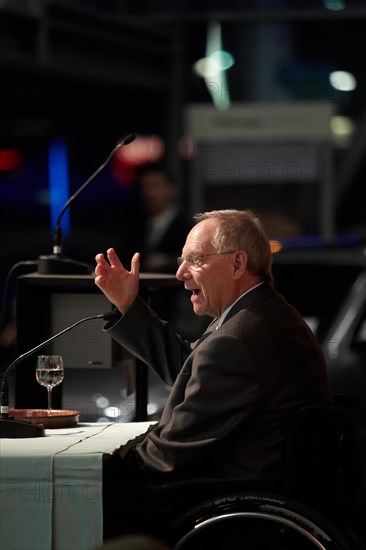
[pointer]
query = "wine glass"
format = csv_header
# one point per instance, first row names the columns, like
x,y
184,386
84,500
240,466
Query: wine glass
x,y
49,373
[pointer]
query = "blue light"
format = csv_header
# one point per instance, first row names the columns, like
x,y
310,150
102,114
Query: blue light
x,y
58,183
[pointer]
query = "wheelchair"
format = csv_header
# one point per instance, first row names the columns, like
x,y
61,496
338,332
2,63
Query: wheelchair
x,y
260,521
307,512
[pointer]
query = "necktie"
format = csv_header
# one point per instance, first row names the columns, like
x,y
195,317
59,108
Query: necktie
x,y
211,328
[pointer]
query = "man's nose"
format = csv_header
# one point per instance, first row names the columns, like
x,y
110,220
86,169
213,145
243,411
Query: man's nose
x,y
182,271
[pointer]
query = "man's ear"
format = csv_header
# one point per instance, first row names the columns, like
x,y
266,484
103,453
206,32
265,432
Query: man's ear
x,y
240,262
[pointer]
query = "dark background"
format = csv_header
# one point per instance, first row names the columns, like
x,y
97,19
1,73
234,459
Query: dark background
x,y
89,72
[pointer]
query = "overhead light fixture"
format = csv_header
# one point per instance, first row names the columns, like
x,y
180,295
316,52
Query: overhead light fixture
x,y
343,130
212,67
342,81
334,5
214,64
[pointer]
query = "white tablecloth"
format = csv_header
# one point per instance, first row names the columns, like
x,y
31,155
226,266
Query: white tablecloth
x,y
51,487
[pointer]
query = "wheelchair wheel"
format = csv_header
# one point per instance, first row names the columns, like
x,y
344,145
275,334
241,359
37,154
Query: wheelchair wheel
x,y
256,522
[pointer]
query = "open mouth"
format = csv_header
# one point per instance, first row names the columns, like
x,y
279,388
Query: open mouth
x,y
195,291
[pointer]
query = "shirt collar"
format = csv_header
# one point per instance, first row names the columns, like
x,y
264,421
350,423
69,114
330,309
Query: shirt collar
x,y
162,220
221,319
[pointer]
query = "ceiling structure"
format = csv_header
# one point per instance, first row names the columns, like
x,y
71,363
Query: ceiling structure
x,y
132,45
94,68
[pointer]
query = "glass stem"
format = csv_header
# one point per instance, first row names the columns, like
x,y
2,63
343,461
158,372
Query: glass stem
x,y
49,398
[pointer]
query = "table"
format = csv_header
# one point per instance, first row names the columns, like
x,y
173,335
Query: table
x,y
51,487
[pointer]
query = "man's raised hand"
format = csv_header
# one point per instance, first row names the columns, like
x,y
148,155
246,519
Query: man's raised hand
x,y
119,285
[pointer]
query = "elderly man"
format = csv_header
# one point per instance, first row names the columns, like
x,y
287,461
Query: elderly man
x,y
236,387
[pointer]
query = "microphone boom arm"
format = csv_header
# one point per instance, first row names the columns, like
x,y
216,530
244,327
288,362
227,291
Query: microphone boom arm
x,y
57,235
4,395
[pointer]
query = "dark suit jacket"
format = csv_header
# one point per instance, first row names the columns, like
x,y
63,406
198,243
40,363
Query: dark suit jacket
x,y
233,390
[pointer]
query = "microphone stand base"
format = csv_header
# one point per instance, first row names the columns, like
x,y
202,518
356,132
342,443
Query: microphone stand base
x,y
16,429
57,264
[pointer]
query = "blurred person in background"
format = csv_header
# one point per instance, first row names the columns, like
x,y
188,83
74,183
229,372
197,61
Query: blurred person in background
x,y
158,227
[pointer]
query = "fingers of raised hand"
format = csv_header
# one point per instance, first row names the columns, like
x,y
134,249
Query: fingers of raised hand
x,y
99,270
100,259
113,258
135,263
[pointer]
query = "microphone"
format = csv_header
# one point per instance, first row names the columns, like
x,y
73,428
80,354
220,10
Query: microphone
x,y
17,428
56,263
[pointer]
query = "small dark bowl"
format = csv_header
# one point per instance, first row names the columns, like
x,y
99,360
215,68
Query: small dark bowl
x,y
54,419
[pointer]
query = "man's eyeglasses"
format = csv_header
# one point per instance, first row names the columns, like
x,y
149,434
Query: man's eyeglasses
x,y
195,260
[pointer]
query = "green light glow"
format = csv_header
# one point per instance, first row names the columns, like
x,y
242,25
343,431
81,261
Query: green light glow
x,y
212,67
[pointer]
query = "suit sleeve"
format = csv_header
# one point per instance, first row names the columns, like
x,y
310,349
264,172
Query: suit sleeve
x,y
153,341
220,395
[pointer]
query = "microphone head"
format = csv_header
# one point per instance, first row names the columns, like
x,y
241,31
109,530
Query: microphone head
x,y
111,315
128,139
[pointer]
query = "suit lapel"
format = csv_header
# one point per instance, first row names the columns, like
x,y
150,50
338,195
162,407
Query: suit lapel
x,y
211,327
260,293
